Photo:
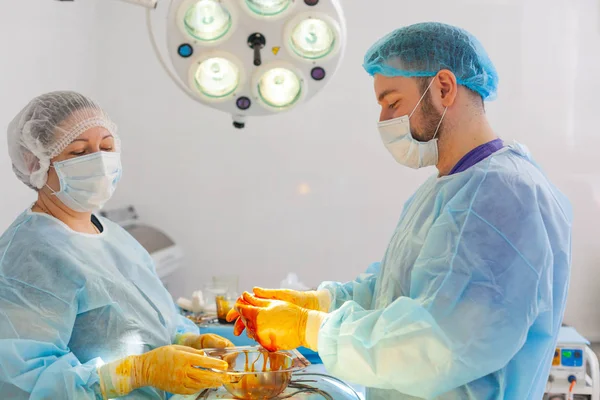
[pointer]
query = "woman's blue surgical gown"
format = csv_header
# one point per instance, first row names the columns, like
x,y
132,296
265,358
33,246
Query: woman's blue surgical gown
x,y
70,302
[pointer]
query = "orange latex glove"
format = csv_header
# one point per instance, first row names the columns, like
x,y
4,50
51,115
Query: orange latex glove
x,y
169,368
278,325
199,342
318,300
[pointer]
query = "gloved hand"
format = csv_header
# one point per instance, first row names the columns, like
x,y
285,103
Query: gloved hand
x,y
199,342
318,300
278,325
169,368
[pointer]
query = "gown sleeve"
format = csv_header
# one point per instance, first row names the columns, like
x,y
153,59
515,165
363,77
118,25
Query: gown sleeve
x,y
359,290
35,328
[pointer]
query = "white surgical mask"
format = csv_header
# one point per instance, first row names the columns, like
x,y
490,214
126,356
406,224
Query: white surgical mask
x,y
88,182
400,142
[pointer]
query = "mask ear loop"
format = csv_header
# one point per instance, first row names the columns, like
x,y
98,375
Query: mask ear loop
x,y
440,124
54,192
51,190
422,97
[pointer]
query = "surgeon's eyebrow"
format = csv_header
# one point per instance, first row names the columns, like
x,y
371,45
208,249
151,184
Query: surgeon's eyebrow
x,y
385,93
86,140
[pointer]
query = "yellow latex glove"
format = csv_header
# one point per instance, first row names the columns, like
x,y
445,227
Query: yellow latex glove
x,y
278,325
169,368
318,300
199,342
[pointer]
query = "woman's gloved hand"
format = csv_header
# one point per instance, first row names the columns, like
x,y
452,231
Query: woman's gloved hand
x,y
169,368
317,300
278,325
207,341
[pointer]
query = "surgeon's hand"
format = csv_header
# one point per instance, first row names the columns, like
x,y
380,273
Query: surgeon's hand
x,y
278,325
318,300
207,341
170,368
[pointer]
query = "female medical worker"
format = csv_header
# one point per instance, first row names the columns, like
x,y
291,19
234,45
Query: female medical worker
x,y
469,297
83,314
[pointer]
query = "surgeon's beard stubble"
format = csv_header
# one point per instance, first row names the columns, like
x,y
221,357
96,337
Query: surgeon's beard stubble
x,y
428,122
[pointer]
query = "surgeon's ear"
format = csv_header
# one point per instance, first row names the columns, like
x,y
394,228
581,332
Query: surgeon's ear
x,y
446,82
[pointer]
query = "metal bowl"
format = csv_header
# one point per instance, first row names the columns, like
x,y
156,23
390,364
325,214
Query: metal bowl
x,y
257,374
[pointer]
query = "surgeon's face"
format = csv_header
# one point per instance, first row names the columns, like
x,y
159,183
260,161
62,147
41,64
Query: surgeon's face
x,y
91,141
398,97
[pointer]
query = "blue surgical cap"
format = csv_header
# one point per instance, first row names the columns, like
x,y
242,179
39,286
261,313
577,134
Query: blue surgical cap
x,y
424,49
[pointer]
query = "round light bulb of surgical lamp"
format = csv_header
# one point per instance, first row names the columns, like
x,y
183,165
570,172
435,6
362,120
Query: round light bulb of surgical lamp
x,y
279,87
268,7
217,77
312,39
207,20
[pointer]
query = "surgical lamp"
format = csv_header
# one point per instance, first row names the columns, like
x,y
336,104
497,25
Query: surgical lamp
x,y
251,57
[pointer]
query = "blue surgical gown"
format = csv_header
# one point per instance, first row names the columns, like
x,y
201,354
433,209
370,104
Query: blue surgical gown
x,y
469,297
70,302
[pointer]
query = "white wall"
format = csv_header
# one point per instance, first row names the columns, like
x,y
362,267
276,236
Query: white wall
x,y
231,197
46,46
575,157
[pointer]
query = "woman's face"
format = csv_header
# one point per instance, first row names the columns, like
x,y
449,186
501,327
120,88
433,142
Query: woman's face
x,y
91,141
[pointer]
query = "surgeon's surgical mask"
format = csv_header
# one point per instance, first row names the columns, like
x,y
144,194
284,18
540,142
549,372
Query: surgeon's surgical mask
x,y
88,182
400,142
